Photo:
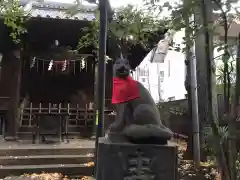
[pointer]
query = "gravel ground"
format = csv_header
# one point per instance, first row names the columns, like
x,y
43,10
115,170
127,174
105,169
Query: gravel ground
x,y
44,176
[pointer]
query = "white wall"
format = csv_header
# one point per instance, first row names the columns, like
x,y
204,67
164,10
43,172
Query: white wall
x,y
171,84
174,80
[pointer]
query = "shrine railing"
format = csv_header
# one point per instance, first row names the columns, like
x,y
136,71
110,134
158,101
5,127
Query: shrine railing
x,y
78,116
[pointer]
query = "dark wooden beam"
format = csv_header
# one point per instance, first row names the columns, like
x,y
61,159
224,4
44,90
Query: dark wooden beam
x,y
12,113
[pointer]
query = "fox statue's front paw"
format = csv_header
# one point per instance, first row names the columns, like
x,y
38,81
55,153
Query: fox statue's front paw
x,y
116,137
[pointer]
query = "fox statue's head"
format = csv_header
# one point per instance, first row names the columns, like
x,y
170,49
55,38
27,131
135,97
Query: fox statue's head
x,y
121,68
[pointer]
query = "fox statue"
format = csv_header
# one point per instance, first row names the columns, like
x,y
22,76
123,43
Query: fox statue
x,y
137,116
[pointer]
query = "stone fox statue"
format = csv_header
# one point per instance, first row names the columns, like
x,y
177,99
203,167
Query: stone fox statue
x,y
137,116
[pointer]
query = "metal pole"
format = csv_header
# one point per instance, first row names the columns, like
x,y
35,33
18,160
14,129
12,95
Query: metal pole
x,y
188,76
95,102
101,78
192,92
195,118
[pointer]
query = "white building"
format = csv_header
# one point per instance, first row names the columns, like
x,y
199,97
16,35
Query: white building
x,y
165,79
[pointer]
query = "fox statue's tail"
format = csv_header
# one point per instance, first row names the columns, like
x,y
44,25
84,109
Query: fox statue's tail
x,y
140,132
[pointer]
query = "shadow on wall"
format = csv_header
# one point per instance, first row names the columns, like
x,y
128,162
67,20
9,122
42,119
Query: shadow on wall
x,y
174,115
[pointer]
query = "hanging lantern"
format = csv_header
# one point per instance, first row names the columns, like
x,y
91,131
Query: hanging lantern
x,y
64,67
57,43
83,63
50,65
33,62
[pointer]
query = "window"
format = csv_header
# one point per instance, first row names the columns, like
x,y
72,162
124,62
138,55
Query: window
x,y
143,79
161,74
169,68
143,72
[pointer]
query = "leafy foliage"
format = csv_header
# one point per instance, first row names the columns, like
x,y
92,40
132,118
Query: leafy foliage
x,y
129,25
224,16
14,18
231,72
134,25
180,11
208,138
238,165
91,36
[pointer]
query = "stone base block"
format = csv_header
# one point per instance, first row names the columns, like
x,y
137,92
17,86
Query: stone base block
x,y
125,161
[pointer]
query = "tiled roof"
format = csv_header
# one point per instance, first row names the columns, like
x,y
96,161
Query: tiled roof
x,y
58,10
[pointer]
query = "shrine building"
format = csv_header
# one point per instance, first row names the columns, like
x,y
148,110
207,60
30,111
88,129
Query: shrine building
x,y
49,78
46,85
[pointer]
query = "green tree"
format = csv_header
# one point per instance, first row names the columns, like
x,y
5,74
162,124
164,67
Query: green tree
x,y
220,78
130,26
220,73
182,11
225,7
15,18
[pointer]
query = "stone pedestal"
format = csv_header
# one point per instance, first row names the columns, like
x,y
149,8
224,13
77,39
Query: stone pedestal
x,y
125,161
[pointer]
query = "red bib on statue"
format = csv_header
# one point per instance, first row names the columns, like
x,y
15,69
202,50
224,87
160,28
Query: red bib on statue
x,y
124,90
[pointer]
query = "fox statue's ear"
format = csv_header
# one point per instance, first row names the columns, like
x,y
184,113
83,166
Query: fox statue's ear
x,y
120,52
131,72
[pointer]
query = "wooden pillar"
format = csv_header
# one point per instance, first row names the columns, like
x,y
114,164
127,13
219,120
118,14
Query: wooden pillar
x,y
12,123
1,56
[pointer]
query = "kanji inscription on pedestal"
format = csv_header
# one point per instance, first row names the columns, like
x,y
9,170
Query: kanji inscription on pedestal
x,y
139,167
123,161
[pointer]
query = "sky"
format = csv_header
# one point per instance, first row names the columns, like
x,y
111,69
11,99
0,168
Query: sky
x,y
117,3
114,3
